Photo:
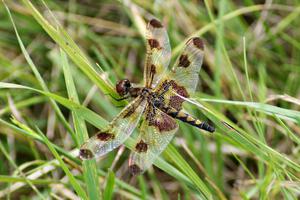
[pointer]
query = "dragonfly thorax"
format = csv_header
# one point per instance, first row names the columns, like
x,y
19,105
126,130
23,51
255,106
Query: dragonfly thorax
x,y
156,100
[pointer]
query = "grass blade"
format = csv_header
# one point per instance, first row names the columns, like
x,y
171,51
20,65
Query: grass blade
x,y
60,36
38,76
109,187
89,166
64,167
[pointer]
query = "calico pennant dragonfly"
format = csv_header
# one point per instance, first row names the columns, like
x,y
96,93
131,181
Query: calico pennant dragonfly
x,y
156,105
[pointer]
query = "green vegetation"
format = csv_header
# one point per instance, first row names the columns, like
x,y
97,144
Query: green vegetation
x,y
59,61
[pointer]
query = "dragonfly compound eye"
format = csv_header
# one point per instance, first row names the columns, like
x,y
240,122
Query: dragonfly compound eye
x,y
123,87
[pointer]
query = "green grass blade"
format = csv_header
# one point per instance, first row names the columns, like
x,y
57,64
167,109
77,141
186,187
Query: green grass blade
x,y
37,75
109,187
29,182
178,160
23,104
249,142
143,187
89,166
99,122
64,167
24,130
282,113
11,179
60,36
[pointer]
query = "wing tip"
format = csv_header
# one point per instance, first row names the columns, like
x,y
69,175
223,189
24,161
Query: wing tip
x,y
198,42
85,154
134,170
155,23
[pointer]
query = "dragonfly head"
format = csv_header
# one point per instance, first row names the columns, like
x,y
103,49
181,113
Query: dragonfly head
x,y
123,87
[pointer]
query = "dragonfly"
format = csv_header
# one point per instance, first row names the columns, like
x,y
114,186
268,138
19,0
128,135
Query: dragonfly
x,y
156,105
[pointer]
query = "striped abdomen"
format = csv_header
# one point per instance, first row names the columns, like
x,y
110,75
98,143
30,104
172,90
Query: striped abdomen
x,y
182,116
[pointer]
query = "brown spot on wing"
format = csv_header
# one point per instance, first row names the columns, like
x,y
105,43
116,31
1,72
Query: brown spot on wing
x,y
141,147
155,23
134,169
153,69
179,89
198,43
103,136
184,61
176,101
85,154
153,43
166,123
163,122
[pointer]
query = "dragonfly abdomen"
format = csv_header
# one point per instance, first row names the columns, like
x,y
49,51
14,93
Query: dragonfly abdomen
x,y
182,116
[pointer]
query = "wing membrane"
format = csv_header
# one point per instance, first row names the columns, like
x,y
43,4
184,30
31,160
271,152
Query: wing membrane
x,y
158,53
182,80
156,132
186,69
116,132
173,96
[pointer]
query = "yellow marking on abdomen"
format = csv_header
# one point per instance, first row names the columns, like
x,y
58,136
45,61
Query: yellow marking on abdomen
x,y
190,119
181,114
198,122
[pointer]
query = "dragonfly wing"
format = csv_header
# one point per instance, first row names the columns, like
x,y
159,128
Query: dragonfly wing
x,y
187,67
182,80
158,53
116,132
156,132
177,86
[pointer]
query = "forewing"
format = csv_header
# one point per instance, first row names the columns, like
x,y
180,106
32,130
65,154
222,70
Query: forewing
x,y
116,132
156,132
158,53
186,69
180,83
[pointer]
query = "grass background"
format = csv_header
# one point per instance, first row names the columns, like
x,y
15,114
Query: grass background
x,y
59,61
